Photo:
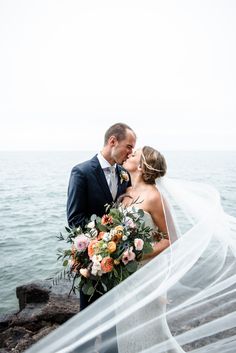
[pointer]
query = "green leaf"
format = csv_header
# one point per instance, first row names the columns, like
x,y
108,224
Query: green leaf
x,y
68,229
102,228
65,263
132,266
104,286
115,273
147,248
77,281
86,288
90,291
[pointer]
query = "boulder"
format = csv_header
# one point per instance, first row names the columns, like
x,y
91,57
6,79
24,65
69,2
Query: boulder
x,y
43,306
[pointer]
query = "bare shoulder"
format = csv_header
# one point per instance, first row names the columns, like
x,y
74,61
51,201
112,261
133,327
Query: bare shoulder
x,y
154,195
153,199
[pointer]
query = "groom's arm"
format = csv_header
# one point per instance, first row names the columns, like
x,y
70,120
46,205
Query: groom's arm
x,y
77,198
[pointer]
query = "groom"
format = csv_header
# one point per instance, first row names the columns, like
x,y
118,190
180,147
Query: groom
x,y
93,183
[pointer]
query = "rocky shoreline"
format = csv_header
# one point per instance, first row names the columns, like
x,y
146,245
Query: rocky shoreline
x,y
43,306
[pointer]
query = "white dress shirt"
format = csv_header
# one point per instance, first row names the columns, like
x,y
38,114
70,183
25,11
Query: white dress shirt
x,y
105,165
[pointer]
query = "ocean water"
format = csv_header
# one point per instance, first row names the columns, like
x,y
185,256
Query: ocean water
x,y
33,192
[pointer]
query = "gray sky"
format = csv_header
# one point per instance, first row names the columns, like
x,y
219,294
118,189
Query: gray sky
x,y
70,68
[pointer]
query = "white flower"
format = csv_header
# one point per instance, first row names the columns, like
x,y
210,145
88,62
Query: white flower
x,y
124,237
93,232
91,224
112,232
84,272
130,223
107,237
96,269
96,258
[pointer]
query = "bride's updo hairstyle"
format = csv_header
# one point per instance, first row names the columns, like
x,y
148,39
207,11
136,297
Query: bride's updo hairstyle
x,y
153,164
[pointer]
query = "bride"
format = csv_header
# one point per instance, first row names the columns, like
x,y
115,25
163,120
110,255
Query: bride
x,y
145,166
182,298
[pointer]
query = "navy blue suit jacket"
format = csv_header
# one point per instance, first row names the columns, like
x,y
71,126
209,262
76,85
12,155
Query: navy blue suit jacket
x,y
88,191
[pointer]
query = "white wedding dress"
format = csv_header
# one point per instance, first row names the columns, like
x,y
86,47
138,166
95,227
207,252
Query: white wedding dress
x,y
183,300
152,315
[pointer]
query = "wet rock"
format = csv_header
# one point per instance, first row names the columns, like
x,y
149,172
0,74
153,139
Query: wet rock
x,y
32,293
43,307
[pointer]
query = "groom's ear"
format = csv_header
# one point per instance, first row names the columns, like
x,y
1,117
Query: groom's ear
x,y
112,140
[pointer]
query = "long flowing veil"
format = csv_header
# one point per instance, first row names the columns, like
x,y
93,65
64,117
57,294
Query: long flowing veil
x,y
181,301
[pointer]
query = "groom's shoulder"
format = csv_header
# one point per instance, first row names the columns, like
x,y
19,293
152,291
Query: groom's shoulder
x,y
86,165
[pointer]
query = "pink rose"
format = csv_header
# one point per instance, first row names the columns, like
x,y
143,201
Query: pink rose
x,y
138,243
128,255
130,223
81,242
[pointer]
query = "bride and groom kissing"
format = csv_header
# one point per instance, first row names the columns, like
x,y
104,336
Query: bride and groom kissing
x,y
118,170
182,298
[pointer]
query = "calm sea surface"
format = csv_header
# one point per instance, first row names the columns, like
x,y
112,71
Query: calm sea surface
x,y
33,188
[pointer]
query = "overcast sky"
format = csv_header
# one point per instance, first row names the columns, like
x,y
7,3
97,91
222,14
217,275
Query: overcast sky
x,y
70,68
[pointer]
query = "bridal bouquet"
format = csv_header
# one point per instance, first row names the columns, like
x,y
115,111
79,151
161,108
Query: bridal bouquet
x,y
107,251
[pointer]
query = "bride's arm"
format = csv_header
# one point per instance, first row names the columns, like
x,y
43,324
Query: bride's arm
x,y
158,216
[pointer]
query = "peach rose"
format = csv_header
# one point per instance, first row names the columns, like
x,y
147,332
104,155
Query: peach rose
x,y
92,248
117,237
100,235
119,229
111,247
107,264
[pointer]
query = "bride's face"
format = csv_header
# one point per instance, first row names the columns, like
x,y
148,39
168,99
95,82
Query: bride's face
x,y
132,163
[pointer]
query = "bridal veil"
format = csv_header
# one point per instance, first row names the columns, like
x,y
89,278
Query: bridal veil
x,y
181,301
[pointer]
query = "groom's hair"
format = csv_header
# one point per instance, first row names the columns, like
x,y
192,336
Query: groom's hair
x,y
119,131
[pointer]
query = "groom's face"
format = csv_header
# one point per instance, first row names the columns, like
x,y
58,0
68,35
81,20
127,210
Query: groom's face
x,y
122,149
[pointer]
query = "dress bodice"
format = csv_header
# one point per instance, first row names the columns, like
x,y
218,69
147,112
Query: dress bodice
x,y
147,218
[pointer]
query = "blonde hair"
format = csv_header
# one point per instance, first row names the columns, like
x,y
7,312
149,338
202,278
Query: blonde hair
x,y
153,164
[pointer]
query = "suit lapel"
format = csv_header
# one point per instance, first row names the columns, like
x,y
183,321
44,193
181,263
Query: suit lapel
x,y
101,178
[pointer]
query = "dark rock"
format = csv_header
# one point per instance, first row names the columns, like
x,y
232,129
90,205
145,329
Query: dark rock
x,y
23,345
44,332
12,336
43,307
58,307
32,293
5,319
